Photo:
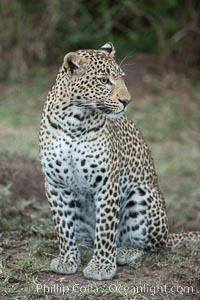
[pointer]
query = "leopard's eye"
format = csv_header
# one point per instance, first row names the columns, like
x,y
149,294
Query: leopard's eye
x,y
105,80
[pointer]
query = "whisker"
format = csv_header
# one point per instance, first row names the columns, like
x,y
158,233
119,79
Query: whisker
x,y
125,58
133,64
132,71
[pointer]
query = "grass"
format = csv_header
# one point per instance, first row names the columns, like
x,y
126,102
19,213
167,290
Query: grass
x,y
20,113
167,113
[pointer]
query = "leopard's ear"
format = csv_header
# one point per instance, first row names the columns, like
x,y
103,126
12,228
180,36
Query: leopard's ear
x,y
109,49
74,63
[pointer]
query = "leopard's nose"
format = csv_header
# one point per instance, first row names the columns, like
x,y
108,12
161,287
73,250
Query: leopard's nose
x,y
125,102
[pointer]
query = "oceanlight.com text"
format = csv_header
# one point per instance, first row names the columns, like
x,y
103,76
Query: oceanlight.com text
x,y
113,288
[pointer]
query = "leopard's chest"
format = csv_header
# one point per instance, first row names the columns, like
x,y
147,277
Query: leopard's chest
x,y
75,164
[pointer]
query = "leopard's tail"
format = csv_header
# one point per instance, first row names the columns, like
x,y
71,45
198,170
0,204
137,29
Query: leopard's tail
x,y
176,240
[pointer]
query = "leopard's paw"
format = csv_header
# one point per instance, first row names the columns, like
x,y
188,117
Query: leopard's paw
x,y
128,255
65,265
99,271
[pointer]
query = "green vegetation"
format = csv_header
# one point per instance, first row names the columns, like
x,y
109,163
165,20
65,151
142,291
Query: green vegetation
x,y
38,33
20,113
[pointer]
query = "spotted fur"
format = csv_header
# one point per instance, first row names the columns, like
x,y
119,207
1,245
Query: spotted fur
x,y
99,174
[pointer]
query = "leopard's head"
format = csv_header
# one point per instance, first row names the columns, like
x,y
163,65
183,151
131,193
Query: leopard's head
x,y
95,80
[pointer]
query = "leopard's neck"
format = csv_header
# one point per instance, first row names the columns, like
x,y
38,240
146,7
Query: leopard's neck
x,y
76,121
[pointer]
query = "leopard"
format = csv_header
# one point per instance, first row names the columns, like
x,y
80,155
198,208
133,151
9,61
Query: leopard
x,y
99,174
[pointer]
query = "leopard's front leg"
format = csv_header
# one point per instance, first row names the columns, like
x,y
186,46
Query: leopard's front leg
x,y
103,263
62,207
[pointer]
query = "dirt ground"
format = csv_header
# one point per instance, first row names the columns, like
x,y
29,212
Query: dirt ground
x,y
24,175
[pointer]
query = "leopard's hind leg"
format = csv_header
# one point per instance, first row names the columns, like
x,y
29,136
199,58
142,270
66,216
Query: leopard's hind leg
x,y
143,224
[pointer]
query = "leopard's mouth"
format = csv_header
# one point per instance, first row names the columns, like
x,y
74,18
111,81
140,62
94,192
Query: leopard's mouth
x,y
112,113
105,109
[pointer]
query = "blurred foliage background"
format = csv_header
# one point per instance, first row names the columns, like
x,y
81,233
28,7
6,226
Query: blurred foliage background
x,y
37,33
